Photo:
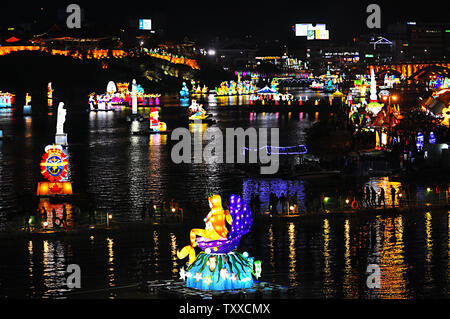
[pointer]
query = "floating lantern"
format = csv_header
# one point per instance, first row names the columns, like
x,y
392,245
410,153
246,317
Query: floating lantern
x,y
219,266
49,91
54,167
155,124
6,99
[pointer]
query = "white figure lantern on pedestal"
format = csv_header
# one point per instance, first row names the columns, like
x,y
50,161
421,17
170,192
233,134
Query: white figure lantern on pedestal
x,y
373,86
134,96
61,137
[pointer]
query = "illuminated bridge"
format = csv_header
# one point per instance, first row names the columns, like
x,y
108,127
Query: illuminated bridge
x,y
294,81
413,71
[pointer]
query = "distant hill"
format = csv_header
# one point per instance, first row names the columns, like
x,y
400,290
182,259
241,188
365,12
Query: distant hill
x,y
74,79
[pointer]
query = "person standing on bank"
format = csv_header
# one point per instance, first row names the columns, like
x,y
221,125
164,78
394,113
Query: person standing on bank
x,y
64,216
393,191
44,214
373,196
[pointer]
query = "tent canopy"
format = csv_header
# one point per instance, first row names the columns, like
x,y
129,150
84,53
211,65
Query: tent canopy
x,y
266,90
12,39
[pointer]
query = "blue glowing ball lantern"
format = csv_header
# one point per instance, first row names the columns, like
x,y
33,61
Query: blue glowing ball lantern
x,y
184,92
419,140
432,139
219,266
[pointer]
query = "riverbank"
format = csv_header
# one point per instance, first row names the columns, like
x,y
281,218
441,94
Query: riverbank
x,y
148,225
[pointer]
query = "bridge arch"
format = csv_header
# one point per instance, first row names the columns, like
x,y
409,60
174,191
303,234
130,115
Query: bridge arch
x,y
383,72
409,70
427,72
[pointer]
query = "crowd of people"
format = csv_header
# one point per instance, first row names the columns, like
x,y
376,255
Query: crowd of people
x,y
283,204
40,219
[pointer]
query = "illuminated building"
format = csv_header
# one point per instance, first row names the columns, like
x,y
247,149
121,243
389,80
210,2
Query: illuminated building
x,y
414,40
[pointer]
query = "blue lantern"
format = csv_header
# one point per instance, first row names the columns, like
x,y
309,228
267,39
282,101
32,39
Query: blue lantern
x,y
432,139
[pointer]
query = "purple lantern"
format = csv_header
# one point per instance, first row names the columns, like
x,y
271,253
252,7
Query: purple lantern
x,y
241,223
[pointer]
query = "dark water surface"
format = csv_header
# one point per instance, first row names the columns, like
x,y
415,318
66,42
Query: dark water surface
x,y
118,172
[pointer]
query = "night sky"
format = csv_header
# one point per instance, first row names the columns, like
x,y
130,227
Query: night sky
x,y
270,19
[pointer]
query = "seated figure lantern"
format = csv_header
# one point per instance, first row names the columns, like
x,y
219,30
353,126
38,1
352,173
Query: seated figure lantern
x,y
155,124
197,112
219,266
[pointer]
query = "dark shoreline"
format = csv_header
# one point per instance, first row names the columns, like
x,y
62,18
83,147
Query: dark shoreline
x,y
117,228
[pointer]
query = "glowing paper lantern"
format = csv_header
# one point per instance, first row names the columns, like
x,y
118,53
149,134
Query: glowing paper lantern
x,y
383,139
155,124
419,140
377,141
432,138
54,167
219,266
54,164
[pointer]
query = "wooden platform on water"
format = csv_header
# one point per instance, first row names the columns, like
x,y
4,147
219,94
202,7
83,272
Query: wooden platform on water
x,y
176,289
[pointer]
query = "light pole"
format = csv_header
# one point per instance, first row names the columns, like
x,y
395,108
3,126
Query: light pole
x,y
108,217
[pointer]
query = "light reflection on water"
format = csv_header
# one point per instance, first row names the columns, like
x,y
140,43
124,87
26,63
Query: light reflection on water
x,y
392,262
324,258
292,255
53,269
328,280
118,172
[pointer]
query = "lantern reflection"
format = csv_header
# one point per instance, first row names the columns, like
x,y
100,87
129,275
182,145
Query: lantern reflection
x,y
110,265
392,264
328,284
292,253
